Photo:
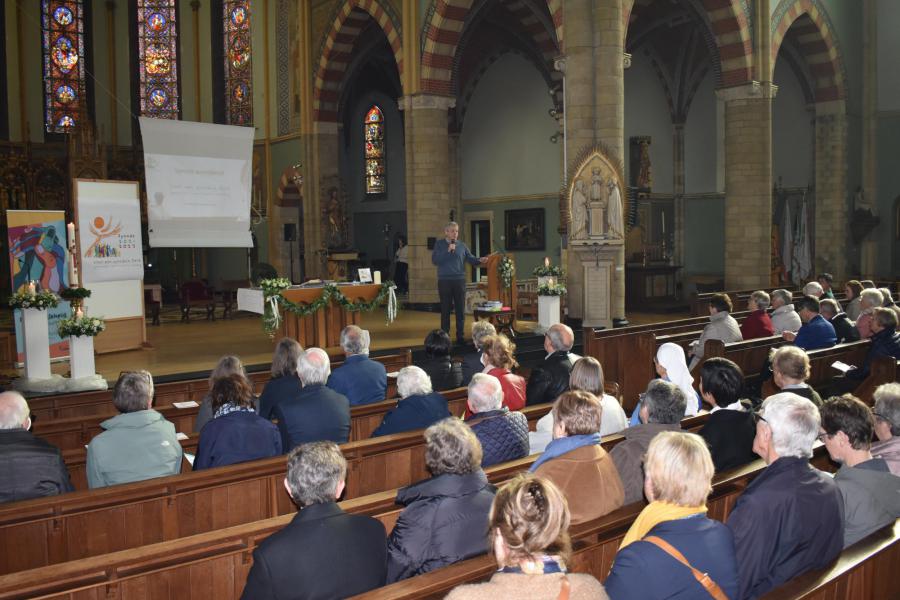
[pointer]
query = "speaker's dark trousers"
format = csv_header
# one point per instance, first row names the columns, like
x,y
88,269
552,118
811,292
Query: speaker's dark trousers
x,y
453,293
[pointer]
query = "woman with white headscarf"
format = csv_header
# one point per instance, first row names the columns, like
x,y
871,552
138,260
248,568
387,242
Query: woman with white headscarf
x,y
671,365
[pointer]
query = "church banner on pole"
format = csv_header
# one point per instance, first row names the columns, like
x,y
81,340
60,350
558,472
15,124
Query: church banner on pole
x,y
109,230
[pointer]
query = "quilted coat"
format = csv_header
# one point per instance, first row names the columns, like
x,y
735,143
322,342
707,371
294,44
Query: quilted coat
x,y
503,435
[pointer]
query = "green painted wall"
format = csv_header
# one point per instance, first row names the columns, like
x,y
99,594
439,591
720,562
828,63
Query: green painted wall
x,y
704,236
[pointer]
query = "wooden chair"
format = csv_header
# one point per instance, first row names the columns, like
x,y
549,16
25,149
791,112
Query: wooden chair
x,y
229,295
151,307
197,294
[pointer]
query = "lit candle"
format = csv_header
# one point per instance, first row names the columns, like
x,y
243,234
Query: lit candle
x,y
547,262
31,289
377,279
70,230
79,313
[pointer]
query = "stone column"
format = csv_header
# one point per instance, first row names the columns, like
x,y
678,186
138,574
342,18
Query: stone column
x,y
677,247
322,162
831,189
428,186
748,184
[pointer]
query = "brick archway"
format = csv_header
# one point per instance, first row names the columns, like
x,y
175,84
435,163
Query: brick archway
x,y
336,54
819,46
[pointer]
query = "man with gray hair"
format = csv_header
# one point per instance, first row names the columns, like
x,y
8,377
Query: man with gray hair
x,y
317,413
419,405
323,552
361,379
137,444
503,433
844,329
33,468
757,324
471,360
662,407
450,257
790,519
551,379
784,317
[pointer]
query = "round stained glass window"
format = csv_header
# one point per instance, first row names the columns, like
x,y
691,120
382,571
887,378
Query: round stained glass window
x,y
239,16
156,22
65,57
240,93
239,54
65,122
65,94
159,97
63,16
156,60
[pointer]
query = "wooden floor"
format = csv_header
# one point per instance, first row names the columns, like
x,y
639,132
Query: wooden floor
x,y
196,346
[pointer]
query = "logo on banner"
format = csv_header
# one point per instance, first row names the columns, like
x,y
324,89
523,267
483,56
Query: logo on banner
x,y
109,241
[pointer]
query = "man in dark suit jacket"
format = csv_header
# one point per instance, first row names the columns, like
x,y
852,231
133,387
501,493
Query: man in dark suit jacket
x,y
361,379
552,378
318,413
471,361
324,552
844,328
419,406
730,429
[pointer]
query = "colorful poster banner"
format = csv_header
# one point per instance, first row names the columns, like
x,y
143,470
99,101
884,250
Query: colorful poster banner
x,y
109,230
37,252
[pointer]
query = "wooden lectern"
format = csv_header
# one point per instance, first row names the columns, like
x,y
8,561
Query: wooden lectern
x,y
322,329
495,289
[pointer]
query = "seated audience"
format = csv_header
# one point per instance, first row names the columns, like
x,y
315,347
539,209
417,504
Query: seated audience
x,y
784,317
722,326
418,407
729,430
826,280
869,300
662,407
853,289
670,365
678,475
885,342
499,361
814,289
318,413
323,552
790,519
284,383
576,462
503,433
528,534
137,444
844,329
889,301
871,492
236,433
227,365
887,425
444,518
790,370
815,332
361,379
32,467
443,373
757,324
551,379
471,360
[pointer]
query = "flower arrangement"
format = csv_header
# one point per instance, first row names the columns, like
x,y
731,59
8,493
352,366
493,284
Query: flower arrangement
x,y
273,287
506,269
76,293
552,290
81,326
547,271
40,300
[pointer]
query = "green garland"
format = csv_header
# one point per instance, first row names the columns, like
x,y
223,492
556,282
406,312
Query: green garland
x,y
554,290
551,271
506,269
85,326
77,293
41,300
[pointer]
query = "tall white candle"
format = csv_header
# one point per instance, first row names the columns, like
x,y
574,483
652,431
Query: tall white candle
x,y
377,277
70,231
72,275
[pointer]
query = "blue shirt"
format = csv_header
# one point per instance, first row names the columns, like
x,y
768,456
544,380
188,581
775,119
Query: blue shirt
x,y
817,333
452,265
361,379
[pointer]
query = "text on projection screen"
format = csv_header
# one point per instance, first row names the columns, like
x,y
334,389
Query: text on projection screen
x,y
198,183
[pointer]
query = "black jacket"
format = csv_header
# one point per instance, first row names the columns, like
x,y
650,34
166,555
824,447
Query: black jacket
x,y
844,328
276,390
884,343
30,467
414,412
471,364
444,374
324,553
550,379
445,521
317,414
729,435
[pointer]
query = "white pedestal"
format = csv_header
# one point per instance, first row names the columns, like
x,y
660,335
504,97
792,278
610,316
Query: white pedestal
x,y
548,312
81,356
37,343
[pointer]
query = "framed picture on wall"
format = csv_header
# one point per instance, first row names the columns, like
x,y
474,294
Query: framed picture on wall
x,y
525,229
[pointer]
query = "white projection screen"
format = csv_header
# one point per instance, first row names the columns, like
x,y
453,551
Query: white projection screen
x,y
198,183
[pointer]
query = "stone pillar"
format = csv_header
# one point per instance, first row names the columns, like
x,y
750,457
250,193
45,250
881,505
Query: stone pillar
x,y
322,161
677,247
748,185
428,186
831,189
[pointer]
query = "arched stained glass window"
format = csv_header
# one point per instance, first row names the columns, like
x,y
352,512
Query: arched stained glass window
x,y
375,168
62,29
157,45
238,71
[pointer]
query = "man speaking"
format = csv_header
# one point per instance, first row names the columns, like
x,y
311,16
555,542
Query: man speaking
x,y
450,256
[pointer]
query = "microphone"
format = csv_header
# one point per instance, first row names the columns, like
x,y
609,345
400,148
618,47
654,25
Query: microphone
x,y
453,246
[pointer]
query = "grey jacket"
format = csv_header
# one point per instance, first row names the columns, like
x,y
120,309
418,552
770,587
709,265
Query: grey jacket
x,y
135,446
628,456
722,326
785,318
871,499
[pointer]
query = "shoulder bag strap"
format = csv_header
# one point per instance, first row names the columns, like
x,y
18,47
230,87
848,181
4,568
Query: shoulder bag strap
x,y
566,588
702,578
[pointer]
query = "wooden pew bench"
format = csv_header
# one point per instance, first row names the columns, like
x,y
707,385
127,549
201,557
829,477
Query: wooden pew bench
x,y
821,372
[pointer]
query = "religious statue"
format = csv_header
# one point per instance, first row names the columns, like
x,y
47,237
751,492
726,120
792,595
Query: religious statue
x,y
597,206
335,221
596,186
614,213
860,202
579,210
641,171
645,176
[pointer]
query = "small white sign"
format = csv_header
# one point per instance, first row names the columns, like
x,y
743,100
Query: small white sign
x,y
365,275
251,300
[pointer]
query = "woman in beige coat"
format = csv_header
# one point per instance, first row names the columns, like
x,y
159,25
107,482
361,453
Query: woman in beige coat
x,y
529,525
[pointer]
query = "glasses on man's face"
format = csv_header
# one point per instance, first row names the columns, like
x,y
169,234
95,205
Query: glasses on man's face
x,y
757,417
880,417
824,434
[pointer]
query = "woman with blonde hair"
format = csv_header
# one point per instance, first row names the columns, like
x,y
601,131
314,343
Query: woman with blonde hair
x,y
673,550
227,365
497,353
284,382
529,524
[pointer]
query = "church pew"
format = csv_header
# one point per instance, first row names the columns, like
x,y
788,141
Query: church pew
x,y
192,567
99,402
884,369
821,373
700,301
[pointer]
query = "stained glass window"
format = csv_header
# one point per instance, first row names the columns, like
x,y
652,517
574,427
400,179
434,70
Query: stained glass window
x,y
375,171
62,29
157,51
238,72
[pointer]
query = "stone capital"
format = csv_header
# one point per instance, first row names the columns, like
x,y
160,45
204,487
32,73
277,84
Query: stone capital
x,y
626,60
426,101
748,91
559,63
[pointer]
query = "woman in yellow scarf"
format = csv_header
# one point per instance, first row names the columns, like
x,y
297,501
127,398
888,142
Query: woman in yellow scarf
x,y
673,550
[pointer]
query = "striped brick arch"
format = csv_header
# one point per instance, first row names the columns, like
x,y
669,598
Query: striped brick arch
x,y
337,51
817,44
